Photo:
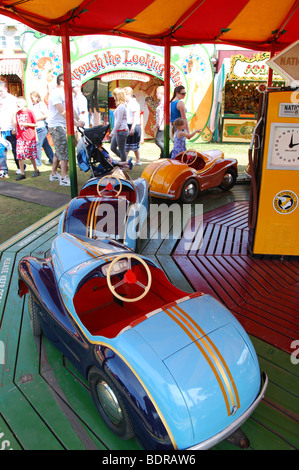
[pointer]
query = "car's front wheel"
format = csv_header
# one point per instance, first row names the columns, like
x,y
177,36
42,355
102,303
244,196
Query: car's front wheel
x,y
110,404
34,317
189,190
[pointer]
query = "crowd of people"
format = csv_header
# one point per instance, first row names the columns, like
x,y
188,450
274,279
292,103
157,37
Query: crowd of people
x,y
24,129
126,132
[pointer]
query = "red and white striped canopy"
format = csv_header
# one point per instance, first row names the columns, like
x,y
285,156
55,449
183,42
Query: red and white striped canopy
x,y
255,24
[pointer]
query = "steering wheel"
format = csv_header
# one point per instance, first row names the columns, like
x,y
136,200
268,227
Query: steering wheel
x,y
189,157
129,277
113,180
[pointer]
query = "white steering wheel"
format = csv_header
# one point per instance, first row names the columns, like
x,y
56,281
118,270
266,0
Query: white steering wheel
x,y
129,278
112,181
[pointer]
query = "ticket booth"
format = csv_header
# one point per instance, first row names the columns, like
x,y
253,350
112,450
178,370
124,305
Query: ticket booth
x,y
274,208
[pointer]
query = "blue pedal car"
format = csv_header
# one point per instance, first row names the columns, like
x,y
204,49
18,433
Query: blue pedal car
x,y
112,206
175,370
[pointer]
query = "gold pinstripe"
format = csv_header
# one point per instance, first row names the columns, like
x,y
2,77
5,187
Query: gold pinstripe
x,y
210,353
91,217
206,338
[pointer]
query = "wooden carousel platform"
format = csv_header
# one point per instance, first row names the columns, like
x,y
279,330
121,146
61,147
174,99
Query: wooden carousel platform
x,y
45,404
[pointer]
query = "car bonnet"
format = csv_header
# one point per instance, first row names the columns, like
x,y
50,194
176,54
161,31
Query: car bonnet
x,y
164,173
210,357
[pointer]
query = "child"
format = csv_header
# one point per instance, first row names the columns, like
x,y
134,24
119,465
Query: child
x,y
180,136
26,137
4,147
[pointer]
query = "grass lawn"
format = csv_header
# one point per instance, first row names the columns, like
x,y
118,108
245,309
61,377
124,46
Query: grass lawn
x,y
16,215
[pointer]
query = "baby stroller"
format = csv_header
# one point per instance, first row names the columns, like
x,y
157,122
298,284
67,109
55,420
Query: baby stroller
x,y
90,153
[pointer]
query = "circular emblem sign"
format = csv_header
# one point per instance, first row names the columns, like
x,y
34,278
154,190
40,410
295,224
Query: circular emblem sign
x,y
285,202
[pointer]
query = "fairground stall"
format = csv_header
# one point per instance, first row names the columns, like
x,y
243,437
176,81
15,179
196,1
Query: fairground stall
x,y
240,103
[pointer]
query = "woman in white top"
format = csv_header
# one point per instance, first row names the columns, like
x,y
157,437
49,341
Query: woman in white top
x,y
133,141
40,112
120,129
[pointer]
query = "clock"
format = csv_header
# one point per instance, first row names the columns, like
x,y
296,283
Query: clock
x,y
284,146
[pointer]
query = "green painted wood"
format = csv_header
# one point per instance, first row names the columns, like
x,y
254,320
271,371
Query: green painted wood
x,y
7,437
284,428
283,379
6,270
10,327
280,410
51,219
30,430
38,393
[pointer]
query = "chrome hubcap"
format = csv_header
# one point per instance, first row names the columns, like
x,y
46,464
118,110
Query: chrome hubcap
x,y
227,180
190,190
109,403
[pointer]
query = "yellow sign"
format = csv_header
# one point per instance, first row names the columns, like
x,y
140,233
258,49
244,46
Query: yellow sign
x,y
285,202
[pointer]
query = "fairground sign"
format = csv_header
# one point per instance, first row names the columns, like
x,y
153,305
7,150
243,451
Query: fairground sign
x,y
138,65
251,68
141,60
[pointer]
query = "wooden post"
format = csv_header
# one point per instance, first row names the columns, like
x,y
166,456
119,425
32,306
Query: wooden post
x,y
66,56
270,71
167,54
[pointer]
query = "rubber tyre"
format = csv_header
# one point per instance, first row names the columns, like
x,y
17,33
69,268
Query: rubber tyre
x,y
229,180
34,317
110,404
189,191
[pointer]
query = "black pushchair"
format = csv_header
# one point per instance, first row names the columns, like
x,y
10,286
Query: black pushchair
x,y
91,155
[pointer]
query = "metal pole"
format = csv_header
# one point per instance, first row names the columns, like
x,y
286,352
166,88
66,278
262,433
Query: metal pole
x,y
270,71
66,56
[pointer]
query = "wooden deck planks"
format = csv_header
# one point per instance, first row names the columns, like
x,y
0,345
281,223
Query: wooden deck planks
x,y
45,404
263,294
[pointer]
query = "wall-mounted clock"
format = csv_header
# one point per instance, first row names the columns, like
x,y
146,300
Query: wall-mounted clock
x,y
284,146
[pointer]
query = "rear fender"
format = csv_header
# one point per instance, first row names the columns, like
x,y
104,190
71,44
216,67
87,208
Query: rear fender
x,y
148,425
166,178
34,275
177,184
214,175
38,277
